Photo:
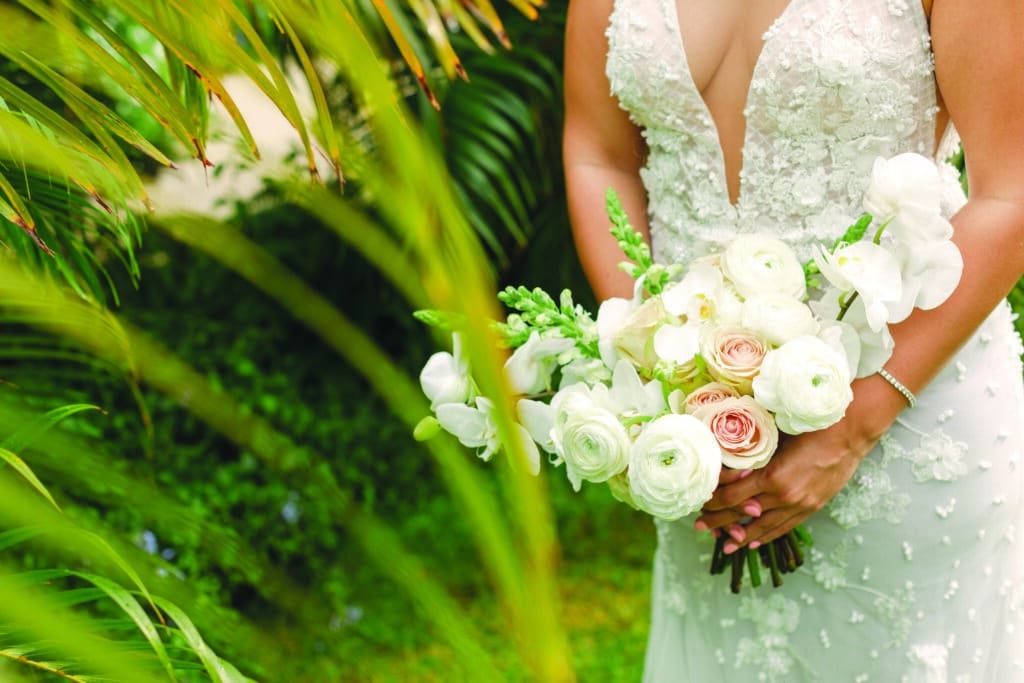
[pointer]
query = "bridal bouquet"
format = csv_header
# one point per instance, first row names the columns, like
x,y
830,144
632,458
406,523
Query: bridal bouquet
x,y
710,360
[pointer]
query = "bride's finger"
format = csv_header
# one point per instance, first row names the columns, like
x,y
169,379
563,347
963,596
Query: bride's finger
x,y
729,476
734,494
772,520
717,520
761,533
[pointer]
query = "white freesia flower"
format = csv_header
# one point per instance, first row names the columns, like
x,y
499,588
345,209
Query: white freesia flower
x,y
673,466
475,428
588,435
530,366
806,383
445,376
777,317
870,270
906,191
760,263
931,271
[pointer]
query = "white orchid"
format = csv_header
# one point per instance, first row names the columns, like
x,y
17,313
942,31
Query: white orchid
x,y
906,192
530,366
930,273
870,270
445,377
702,295
474,427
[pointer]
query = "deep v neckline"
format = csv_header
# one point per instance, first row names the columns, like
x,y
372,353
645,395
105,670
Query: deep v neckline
x,y
712,124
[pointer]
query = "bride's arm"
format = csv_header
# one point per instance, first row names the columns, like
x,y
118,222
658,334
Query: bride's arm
x,y
601,149
981,84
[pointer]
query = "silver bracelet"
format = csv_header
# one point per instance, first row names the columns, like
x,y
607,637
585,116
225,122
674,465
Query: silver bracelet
x,y
898,386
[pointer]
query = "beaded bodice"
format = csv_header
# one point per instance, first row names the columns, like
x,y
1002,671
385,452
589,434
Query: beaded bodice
x,y
837,84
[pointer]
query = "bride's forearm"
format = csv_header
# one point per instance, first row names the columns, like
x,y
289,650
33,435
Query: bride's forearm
x,y
990,235
598,252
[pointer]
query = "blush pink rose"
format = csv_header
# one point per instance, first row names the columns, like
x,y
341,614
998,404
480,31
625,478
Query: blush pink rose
x,y
745,431
734,356
709,393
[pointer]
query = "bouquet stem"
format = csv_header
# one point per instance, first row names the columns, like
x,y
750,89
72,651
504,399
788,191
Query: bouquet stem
x,y
782,556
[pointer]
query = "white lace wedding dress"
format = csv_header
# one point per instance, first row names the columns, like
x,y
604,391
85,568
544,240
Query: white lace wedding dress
x,y
916,573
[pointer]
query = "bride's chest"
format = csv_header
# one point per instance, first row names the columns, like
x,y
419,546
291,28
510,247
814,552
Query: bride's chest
x,y
822,63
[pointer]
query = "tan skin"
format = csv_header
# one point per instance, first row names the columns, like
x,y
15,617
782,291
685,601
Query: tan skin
x,y
979,85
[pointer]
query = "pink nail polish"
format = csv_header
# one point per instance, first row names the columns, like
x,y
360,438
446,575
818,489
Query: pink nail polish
x,y
755,545
730,547
701,525
737,534
745,473
753,510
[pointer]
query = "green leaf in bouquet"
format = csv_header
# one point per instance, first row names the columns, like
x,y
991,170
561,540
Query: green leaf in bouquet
x,y
855,233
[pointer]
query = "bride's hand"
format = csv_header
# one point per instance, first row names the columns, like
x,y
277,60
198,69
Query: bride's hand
x,y
807,472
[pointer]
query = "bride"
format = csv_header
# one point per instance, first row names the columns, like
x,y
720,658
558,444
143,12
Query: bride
x,y
715,117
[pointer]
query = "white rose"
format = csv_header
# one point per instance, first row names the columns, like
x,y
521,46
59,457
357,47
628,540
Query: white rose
x,y
673,466
587,435
806,383
611,315
778,317
445,377
634,338
530,366
760,263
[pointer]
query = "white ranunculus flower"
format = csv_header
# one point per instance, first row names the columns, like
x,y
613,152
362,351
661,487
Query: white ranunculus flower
x,y
931,271
445,377
530,366
588,435
806,383
674,466
906,190
760,263
870,270
777,317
